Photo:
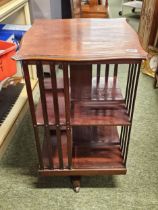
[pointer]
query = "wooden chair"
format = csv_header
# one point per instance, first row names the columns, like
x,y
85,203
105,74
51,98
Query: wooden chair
x,y
93,9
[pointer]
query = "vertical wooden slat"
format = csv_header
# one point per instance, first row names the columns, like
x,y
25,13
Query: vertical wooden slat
x,y
67,113
127,145
131,84
32,110
131,91
115,70
128,83
122,136
56,113
106,74
124,140
45,113
132,104
98,74
131,108
115,75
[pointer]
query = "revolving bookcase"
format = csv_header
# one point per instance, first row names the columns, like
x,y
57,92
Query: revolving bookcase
x,y
82,123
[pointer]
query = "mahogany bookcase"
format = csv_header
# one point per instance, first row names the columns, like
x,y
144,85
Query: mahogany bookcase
x,y
82,123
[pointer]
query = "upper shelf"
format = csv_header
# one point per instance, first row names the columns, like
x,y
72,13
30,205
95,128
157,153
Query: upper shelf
x,y
81,40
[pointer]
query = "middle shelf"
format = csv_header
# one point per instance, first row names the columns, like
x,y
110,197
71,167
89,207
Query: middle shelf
x,y
98,106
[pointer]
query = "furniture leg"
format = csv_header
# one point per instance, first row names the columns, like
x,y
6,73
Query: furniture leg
x,y
76,183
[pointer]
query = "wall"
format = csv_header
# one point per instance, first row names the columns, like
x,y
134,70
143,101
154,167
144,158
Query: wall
x,y
45,9
56,8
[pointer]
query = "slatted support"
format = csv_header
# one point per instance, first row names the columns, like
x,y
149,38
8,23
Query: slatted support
x,y
131,90
45,112
132,104
67,113
128,82
106,75
98,73
56,113
32,110
131,86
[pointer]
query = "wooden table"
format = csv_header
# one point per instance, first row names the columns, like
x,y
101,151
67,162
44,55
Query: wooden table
x,y
81,113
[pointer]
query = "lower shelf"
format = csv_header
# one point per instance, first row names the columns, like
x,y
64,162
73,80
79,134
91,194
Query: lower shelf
x,y
95,151
83,172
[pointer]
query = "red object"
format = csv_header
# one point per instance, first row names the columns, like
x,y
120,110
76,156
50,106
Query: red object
x,y
7,65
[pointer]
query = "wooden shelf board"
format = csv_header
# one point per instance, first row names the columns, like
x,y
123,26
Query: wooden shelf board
x,y
92,155
96,147
104,157
95,136
82,115
90,44
83,172
102,91
98,107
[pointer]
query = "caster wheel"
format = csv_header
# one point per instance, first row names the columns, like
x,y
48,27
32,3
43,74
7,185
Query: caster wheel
x,y
76,189
133,10
120,13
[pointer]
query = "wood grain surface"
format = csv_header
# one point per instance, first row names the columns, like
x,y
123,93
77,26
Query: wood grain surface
x,y
100,152
107,109
81,40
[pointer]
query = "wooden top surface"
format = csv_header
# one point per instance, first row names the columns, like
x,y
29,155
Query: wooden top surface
x,y
81,40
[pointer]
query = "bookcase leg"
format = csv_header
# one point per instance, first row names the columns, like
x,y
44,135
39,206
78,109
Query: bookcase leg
x,y
76,183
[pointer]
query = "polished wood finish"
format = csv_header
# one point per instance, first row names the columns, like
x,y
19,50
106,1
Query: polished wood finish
x,y
99,106
84,172
89,143
84,114
81,40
